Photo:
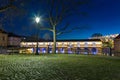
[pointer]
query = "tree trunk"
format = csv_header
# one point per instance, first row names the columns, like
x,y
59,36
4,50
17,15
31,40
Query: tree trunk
x,y
54,40
37,49
37,43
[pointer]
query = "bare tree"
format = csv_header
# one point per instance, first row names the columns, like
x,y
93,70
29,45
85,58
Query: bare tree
x,y
57,14
7,6
96,35
11,11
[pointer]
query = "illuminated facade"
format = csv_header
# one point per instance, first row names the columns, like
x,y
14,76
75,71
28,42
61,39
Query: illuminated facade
x,y
86,46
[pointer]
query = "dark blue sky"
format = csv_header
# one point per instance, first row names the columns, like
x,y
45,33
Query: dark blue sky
x,y
103,17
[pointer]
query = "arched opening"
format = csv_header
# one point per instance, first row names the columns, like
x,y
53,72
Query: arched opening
x,y
34,49
57,50
38,50
62,50
78,50
70,49
86,51
43,50
94,51
49,49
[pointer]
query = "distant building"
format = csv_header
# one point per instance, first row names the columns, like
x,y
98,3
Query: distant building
x,y
83,46
3,41
13,40
9,41
3,38
117,46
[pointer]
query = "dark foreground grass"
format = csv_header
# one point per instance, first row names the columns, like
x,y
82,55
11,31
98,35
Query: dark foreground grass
x,y
59,67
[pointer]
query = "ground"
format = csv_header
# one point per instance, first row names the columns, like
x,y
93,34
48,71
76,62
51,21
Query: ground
x,y
59,67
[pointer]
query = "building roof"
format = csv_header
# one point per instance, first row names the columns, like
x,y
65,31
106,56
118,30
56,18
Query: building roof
x,y
2,31
13,35
118,37
112,36
72,40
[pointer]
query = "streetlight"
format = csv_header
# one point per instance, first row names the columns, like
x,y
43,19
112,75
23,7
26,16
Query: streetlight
x,y
37,20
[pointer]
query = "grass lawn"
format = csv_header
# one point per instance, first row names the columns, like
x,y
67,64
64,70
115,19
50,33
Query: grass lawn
x,y
59,67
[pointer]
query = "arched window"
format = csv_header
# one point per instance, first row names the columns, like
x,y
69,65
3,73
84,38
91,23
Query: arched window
x,y
94,44
86,51
63,44
86,44
44,44
43,50
78,44
49,48
56,44
69,43
56,49
62,50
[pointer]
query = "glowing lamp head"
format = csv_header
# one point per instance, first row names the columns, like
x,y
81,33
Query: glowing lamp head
x,y
37,19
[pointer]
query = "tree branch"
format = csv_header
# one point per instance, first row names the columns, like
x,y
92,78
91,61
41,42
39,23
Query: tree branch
x,y
72,29
44,28
10,5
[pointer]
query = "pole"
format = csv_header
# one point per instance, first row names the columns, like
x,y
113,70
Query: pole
x,y
37,43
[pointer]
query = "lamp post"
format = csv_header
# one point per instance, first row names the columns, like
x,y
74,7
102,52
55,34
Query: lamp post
x,y
37,20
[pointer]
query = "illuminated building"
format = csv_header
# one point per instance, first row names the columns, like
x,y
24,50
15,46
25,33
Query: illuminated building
x,y
83,46
3,38
3,41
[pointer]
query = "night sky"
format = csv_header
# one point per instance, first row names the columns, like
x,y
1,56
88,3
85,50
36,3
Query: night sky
x,y
103,17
